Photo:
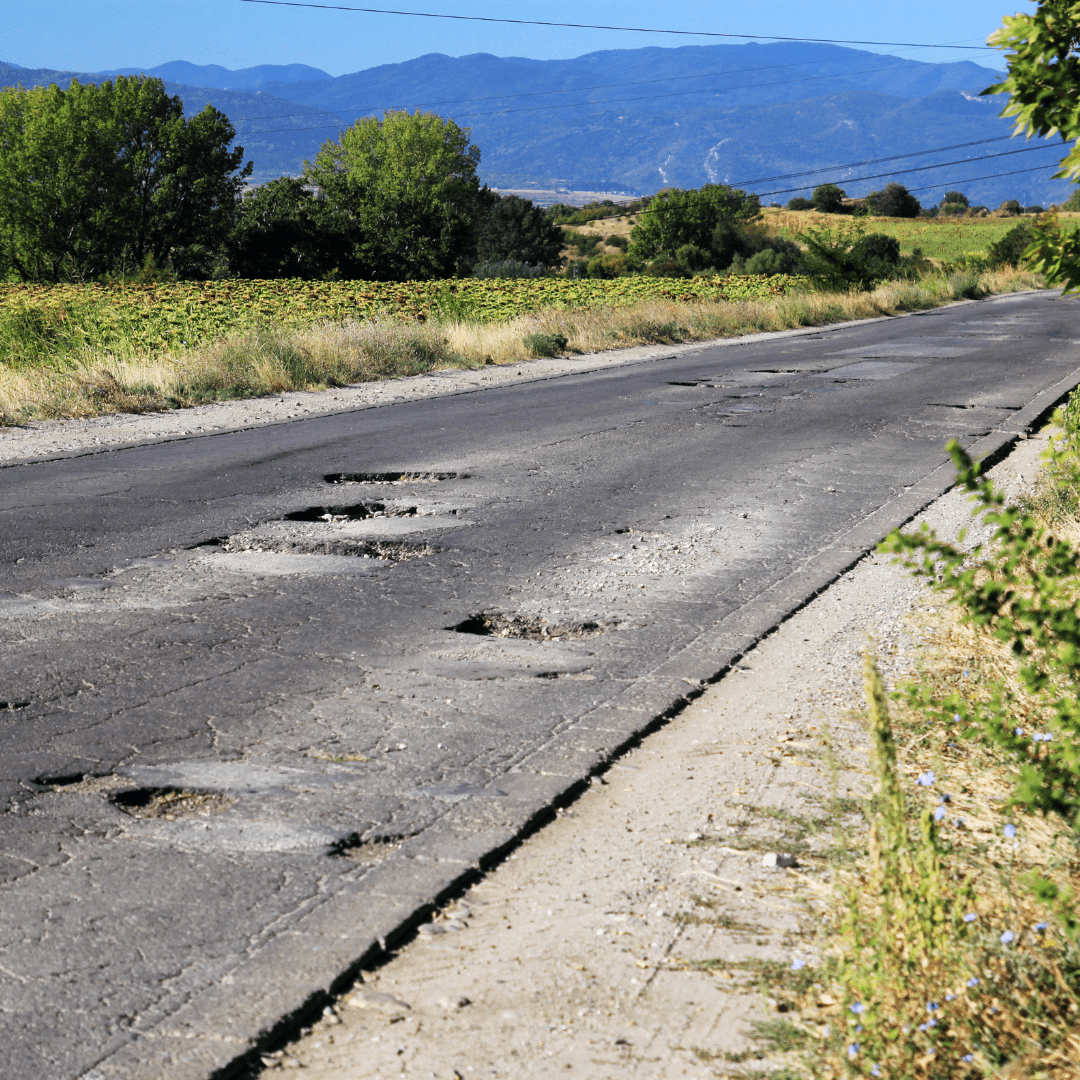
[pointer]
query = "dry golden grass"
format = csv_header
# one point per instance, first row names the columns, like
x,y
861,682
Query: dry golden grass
x,y
326,355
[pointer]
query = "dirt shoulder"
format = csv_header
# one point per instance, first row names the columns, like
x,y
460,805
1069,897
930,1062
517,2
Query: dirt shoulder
x,y
628,937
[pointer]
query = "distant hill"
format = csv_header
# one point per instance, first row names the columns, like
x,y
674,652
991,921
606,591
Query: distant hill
x,y
634,120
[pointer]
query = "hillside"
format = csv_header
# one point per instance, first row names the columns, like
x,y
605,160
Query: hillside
x,y
635,120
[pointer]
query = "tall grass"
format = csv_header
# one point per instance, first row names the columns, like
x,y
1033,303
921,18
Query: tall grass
x,y
960,954
59,378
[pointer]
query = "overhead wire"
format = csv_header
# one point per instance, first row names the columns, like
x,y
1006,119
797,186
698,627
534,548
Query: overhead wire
x,y
626,29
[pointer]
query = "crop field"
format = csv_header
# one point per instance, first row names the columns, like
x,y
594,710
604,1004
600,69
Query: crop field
x,y
42,323
944,238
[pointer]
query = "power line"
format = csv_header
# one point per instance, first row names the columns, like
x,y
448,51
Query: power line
x,y
629,29
920,168
871,161
584,89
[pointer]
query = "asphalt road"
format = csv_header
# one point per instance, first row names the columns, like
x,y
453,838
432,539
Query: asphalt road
x,y
264,705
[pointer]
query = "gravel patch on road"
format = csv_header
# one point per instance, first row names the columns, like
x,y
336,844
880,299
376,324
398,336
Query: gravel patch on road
x,y
625,938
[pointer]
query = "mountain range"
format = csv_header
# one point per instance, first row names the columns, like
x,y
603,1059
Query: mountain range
x,y
635,120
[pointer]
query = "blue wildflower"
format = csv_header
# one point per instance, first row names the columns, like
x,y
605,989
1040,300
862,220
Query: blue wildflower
x,y
1008,937
1009,831
797,964
946,798
926,779
922,1027
852,1050
875,1071
1041,926
857,1007
932,1006
973,981
950,997
1019,732
939,813
970,917
968,1058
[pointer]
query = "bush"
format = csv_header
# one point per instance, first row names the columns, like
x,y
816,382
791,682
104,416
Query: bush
x,y
621,242
929,212
665,267
678,217
800,204
1072,203
607,266
1008,250
693,258
545,344
847,256
956,198
1034,210
772,261
1010,206
894,200
585,245
829,199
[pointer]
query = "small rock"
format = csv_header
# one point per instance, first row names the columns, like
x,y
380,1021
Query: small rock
x,y
454,924
692,837
430,929
778,861
370,999
451,1002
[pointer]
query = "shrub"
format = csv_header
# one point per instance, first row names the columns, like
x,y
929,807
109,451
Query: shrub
x,y
665,267
848,256
1008,250
772,261
692,258
620,242
585,245
1034,210
956,198
829,199
607,266
894,200
1010,206
800,204
545,344
507,227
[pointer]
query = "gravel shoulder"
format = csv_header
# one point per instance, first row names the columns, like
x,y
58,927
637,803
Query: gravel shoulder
x,y
624,939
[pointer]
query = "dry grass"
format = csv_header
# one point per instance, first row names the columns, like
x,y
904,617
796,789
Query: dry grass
x,y
321,356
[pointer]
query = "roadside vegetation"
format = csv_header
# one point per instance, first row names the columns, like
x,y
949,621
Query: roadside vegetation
x,y
85,357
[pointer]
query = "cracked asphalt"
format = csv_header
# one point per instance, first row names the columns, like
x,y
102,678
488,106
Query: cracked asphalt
x,y
270,695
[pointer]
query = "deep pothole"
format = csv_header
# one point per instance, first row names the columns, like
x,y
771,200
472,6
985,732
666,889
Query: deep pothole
x,y
387,550
367,851
356,512
530,627
392,477
170,803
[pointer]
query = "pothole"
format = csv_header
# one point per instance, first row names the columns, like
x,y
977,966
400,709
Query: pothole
x,y
13,706
170,803
529,627
387,550
83,783
367,851
392,477
356,512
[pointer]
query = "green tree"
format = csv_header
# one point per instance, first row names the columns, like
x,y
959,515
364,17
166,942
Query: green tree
x,y
675,217
1043,83
510,227
283,231
829,199
894,200
955,198
405,188
100,179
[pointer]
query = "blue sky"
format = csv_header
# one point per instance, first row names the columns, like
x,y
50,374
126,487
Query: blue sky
x,y
93,35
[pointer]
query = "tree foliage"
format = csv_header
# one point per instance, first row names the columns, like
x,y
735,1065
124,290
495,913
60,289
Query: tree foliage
x,y
849,256
510,228
100,179
1043,84
676,217
283,231
894,200
829,199
405,190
